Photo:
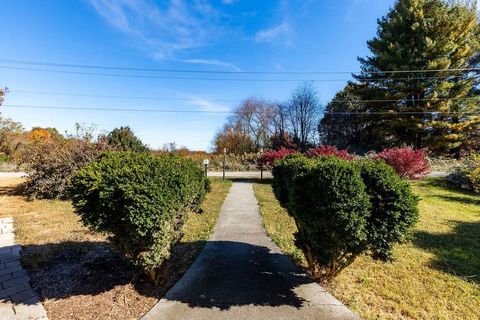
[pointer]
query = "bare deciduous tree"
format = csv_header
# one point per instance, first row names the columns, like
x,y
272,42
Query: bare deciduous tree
x,y
248,129
255,117
233,139
303,110
258,123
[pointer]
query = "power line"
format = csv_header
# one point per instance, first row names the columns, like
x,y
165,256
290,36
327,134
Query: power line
x,y
412,100
221,79
404,113
228,112
120,97
114,109
234,100
169,77
104,67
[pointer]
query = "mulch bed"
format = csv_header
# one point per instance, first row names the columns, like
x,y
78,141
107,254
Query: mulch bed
x,y
90,281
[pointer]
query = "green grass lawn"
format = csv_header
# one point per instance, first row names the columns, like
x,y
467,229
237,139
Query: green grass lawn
x,y
435,276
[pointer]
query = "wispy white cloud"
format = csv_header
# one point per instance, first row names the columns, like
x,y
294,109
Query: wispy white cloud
x,y
213,62
207,105
271,34
164,29
352,8
178,30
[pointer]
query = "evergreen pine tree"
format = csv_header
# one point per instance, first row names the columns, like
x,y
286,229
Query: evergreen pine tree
x,y
345,126
123,139
437,108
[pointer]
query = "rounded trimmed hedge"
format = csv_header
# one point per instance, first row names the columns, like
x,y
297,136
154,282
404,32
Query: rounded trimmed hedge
x,y
284,170
139,201
394,207
343,209
331,209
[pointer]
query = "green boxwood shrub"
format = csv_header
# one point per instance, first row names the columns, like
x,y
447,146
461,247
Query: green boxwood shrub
x,y
343,209
283,172
331,210
394,207
139,201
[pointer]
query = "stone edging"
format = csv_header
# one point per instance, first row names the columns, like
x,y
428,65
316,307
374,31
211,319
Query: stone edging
x,y
17,299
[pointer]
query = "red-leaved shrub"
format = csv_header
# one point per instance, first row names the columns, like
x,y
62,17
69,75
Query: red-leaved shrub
x,y
326,150
407,162
268,158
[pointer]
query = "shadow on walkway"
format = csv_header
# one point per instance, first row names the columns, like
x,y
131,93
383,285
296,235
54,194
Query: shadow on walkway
x,y
251,180
222,277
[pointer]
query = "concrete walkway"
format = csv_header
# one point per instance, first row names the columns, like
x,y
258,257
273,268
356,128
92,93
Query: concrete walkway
x,y
17,299
241,274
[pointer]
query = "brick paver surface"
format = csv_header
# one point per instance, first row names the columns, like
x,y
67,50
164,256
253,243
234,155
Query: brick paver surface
x,y
17,299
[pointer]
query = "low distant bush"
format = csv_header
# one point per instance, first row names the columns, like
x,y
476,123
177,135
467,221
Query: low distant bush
x,y
6,164
49,166
233,162
140,201
442,164
467,176
267,159
343,209
9,167
408,163
123,139
326,150
474,179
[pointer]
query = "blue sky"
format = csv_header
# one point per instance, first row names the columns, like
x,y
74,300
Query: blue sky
x,y
221,35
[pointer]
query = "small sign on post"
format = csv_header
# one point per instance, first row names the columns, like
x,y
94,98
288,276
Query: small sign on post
x,y
224,155
205,163
261,164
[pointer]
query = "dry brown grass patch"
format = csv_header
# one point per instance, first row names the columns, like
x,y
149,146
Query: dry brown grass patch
x,y
76,273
